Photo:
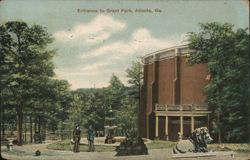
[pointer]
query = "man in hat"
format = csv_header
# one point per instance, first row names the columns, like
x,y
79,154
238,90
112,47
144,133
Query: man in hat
x,y
76,138
90,137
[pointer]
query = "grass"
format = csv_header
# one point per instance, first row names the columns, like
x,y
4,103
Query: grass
x,y
16,152
159,144
156,144
242,148
66,146
23,152
60,145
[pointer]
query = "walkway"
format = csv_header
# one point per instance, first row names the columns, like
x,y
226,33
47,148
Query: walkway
x,y
26,152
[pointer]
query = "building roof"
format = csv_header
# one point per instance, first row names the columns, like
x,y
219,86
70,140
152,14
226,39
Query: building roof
x,y
166,53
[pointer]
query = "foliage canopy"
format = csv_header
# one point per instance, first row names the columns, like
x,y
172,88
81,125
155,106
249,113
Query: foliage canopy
x,y
226,53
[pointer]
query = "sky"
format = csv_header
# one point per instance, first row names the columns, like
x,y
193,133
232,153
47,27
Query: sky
x,y
97,38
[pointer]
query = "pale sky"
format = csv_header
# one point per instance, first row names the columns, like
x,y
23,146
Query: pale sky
x,y
91,46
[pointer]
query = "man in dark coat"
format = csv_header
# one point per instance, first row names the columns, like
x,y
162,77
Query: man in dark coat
x,y
90,137
76,138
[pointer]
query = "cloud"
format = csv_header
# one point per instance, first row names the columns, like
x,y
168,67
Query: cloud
x,y
99,62
140,42
87,77
97,30
113,48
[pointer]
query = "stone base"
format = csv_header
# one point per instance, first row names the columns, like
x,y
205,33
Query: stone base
x,y
156,138
165,137
207,154
110,140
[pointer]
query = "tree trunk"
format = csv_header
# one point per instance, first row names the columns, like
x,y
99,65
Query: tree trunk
x,y
219,127
44,130
25,129
31,131
3,126
39,124
139,105
19,125
36,123
248,115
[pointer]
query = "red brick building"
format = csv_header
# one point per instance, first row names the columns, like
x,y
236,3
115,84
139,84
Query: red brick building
x,y
173,102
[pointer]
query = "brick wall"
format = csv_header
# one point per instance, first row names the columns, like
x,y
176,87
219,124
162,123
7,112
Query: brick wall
x,y
169,81
166,77
192,82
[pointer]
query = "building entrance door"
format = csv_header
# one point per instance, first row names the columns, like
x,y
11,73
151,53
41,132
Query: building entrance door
x,y
174,128
186,127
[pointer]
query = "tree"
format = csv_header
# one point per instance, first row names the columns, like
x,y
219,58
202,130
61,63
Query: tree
x,y
96,110
135,75
225,51
127,115
53,104
114,92
25,59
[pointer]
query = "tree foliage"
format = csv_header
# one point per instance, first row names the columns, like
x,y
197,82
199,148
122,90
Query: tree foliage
x,y
26,68
114,92
92,107
226,53
29,90
135,78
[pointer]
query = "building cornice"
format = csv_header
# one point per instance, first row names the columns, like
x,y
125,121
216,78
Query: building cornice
x,y
166,53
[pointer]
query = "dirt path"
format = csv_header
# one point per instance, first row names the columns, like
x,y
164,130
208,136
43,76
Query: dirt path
x,y
26,152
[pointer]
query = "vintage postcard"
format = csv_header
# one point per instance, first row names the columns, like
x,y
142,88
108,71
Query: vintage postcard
x,y
124,79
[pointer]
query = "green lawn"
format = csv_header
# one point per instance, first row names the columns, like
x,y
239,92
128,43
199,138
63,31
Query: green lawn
x,y
159,144
65,145
244,147
16,152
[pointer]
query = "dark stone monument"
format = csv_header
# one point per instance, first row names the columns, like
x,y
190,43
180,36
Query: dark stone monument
x,y
132,146
38,153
